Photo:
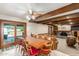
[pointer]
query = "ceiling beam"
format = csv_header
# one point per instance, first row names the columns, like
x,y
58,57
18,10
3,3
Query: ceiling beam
x,y
64,9
63,22
76,24
61,18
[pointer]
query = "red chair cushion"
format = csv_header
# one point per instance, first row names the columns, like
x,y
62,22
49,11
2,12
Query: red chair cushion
x,y
34,51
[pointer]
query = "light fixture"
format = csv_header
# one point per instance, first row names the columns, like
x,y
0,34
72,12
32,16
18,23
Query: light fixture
x,y
71,23
67,17
69,20
28,18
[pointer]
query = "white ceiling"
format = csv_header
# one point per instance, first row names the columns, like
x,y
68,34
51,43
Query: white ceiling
x,y
20,10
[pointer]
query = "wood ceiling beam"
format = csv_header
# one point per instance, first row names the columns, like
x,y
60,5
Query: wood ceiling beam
x,y
76,24
71,19
61,18
64,9
68,23
74,20
64,21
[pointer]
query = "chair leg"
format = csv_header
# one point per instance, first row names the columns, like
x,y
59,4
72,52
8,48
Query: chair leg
x,y
21,50
15,48
22,53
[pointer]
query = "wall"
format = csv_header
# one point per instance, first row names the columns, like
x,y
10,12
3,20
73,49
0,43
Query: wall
x,y
36,28
75,28
31,27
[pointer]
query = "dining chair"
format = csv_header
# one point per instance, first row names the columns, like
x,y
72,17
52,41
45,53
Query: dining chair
x,y
45,51
77,40
33,51
54,43
19,43
28,50
37,37
24,48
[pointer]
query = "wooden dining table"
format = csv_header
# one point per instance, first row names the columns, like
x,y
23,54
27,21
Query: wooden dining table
x,y
37,43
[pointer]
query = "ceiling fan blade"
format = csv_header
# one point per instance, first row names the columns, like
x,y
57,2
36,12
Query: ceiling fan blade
x,y
30,12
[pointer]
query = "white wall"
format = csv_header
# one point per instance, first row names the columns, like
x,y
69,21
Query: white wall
x,y
31,27
36,28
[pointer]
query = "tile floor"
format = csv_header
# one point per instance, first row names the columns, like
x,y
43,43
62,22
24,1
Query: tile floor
x,y
62,47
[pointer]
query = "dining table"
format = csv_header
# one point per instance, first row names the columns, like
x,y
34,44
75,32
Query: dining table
x,y
36,43
37,46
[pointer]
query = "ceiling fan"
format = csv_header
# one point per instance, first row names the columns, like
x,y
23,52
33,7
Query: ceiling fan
x,y
32,15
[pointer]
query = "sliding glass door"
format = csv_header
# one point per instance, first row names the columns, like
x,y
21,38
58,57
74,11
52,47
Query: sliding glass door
x,y
9,33
20,31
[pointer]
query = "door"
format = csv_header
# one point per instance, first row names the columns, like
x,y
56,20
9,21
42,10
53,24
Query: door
x,y
20,31
8,34
9,31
